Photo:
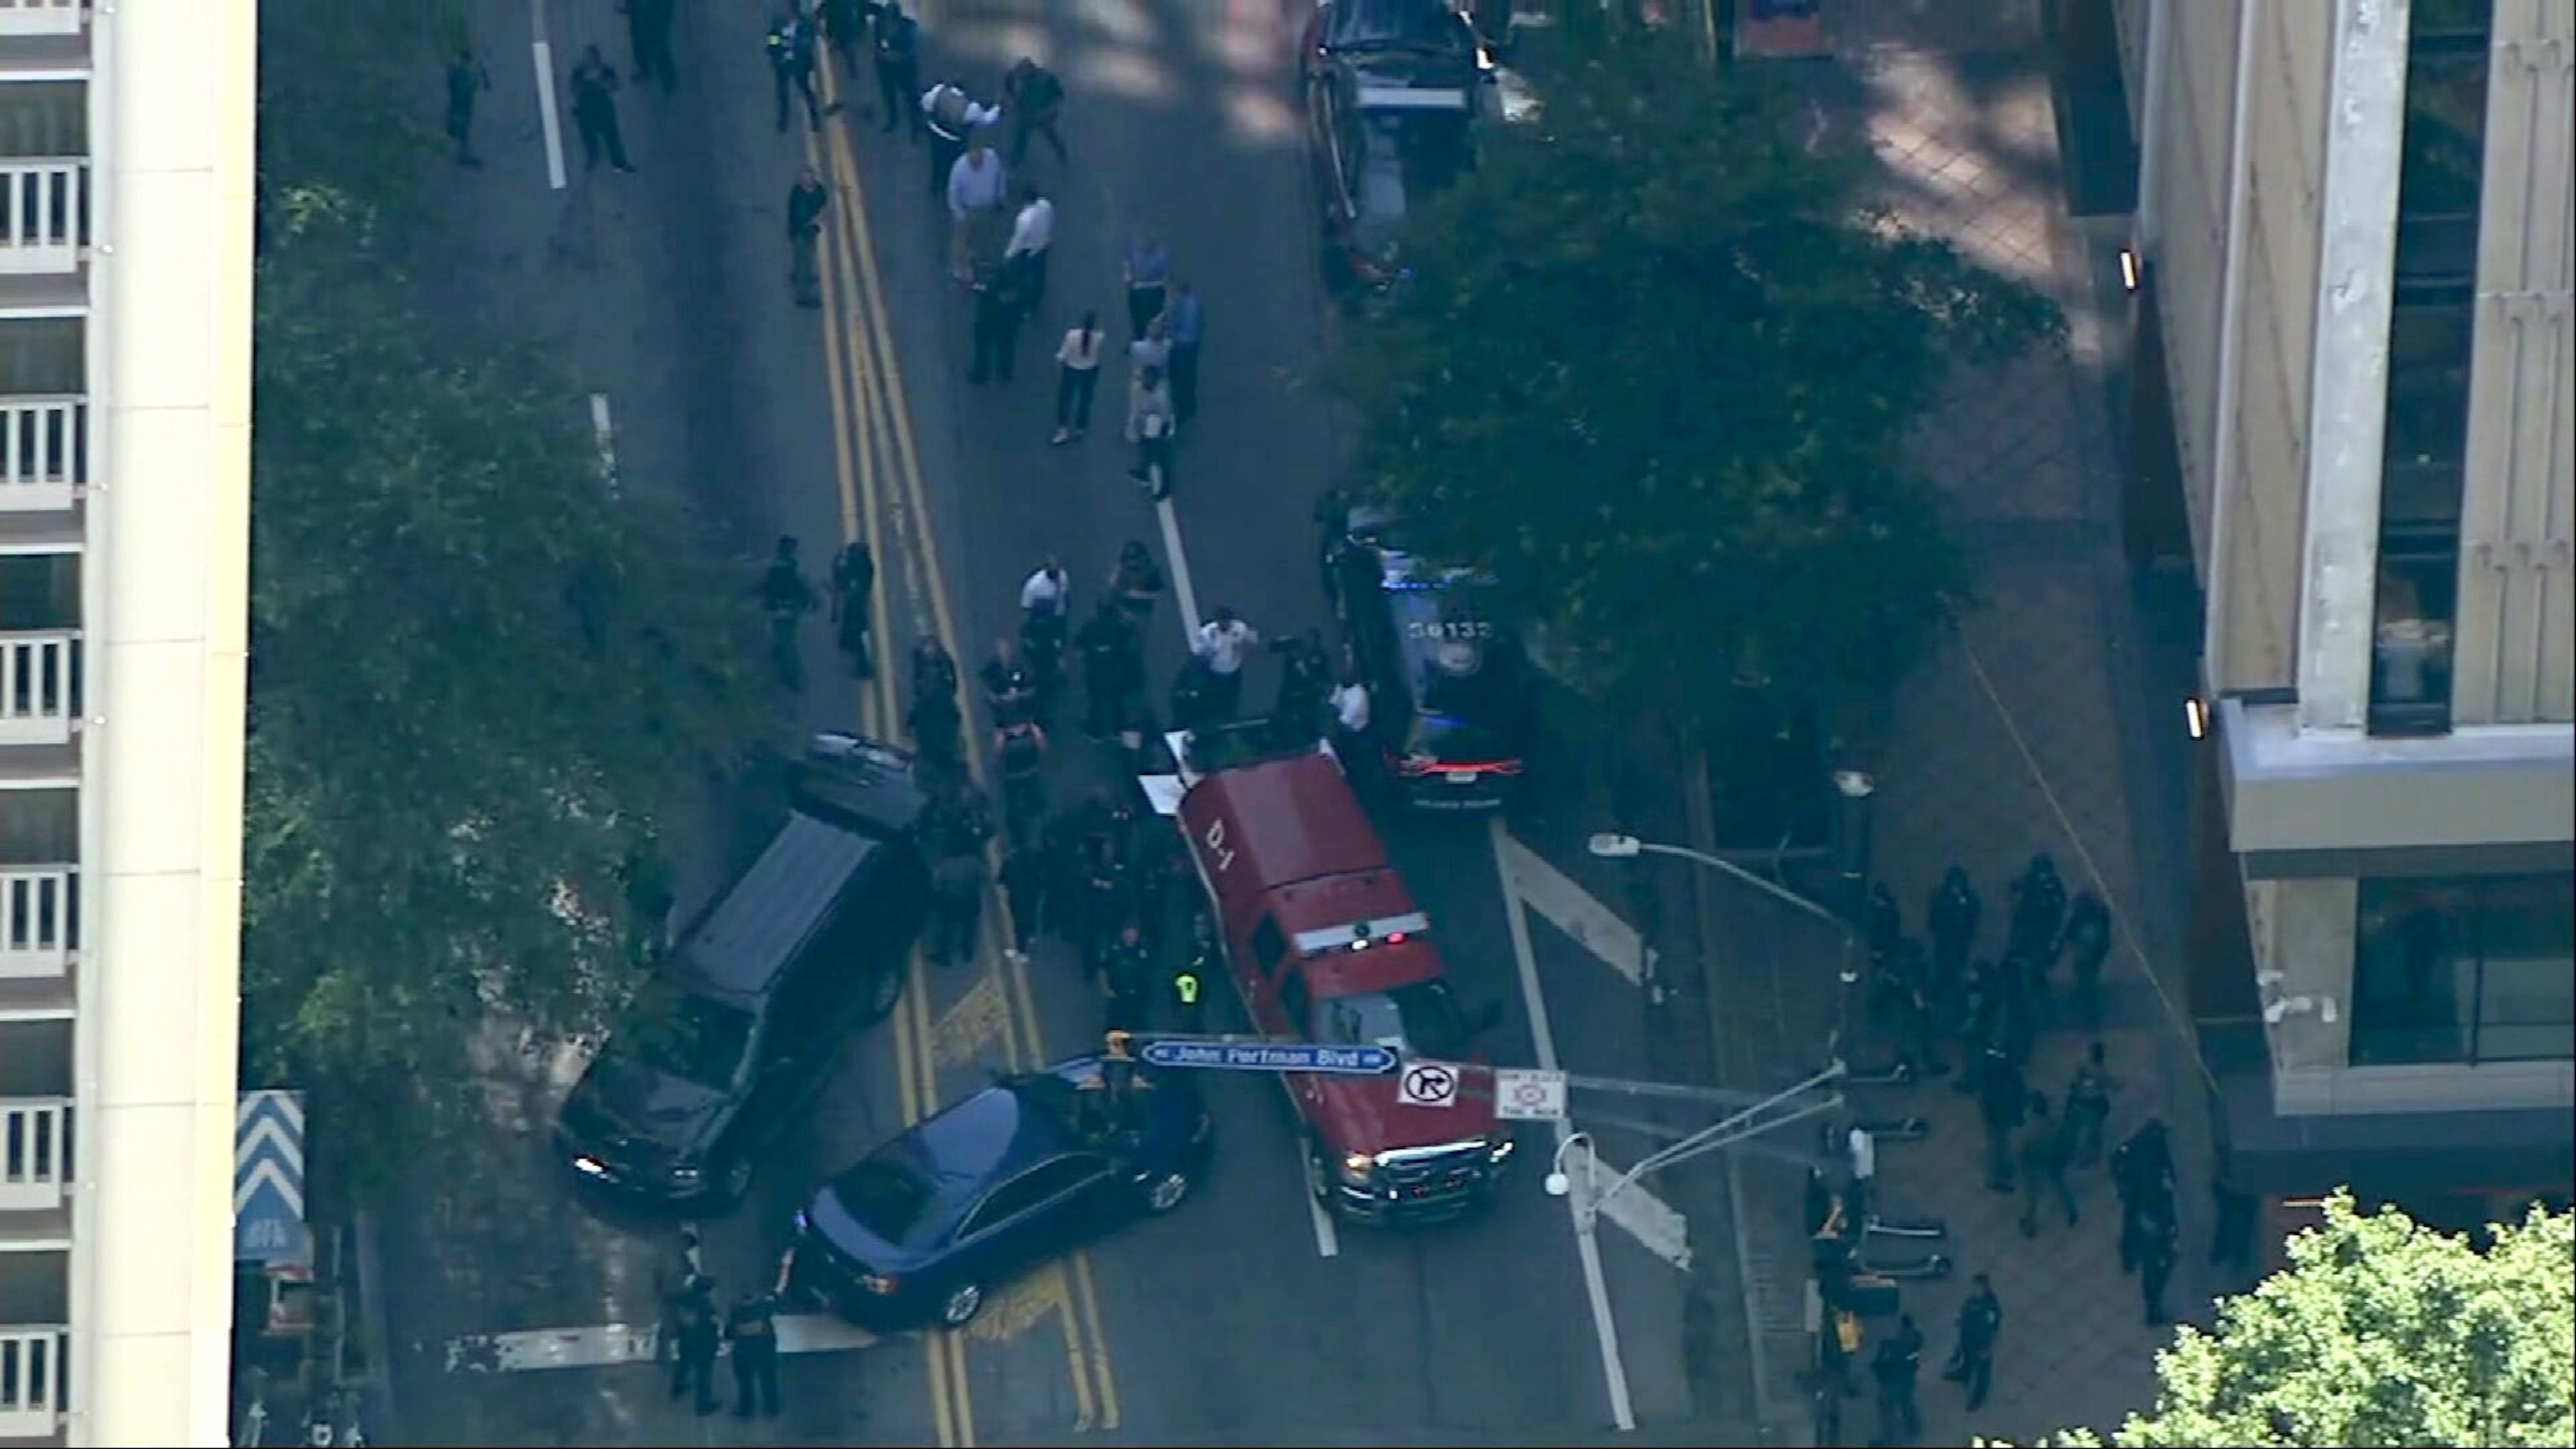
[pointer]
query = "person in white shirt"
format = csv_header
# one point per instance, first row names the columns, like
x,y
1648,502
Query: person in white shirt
x,y
1222,644
1047,591
1077,377
1032,232
953,117
975,192
1350,700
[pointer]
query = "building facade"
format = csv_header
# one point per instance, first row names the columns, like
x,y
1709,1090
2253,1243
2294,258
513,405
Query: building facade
x,y
125,291
2355,416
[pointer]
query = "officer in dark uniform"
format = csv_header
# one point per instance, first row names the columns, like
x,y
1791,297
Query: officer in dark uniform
x,y
1951,920
752,1327
695,1339
1124,969
898,55
648,27
791,66
1896,1365
1197,971
1028,884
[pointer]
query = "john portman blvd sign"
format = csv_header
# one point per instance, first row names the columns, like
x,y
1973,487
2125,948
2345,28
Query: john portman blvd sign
x,y
1226,1056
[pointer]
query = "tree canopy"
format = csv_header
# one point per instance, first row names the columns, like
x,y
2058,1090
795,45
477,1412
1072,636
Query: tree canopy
x,y
2382,1331
1653,363
477,678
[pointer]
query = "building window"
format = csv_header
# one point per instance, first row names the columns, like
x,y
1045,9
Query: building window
x,y
2477,969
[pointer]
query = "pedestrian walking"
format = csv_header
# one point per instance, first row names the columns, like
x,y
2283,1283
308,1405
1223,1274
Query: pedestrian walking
x,y
594,111
976,183
1028,880
854,582
999,307
807,200
1896,1367
2088,1108
1148,271
648,33
844,25
1032,236
752,1329
696,1337
1981,1322
898,62
1034,98
791,66
1149,427
1186,320
467,80
1224,643
2087,944
1077,378
2155,1250
2043,1168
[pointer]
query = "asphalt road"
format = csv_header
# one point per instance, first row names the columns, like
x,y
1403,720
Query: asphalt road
x,y
665,293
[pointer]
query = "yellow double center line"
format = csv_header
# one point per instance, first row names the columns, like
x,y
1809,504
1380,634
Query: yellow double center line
x,y
879,473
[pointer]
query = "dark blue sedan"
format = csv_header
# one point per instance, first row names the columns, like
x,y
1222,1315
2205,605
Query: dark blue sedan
x,y
1021,1173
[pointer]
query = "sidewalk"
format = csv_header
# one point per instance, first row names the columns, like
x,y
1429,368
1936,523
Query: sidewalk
x,y
2022,733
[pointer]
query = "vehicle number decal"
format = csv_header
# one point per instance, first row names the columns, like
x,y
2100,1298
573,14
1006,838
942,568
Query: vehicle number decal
x,y
1217,848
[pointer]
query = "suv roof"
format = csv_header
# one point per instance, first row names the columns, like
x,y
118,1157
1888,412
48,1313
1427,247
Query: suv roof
x,y
787,897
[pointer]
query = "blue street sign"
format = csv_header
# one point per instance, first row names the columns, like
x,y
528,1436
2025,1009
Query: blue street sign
x,y
268,1179
1233,1056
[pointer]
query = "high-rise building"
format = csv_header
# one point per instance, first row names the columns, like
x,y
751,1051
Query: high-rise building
x,y
125,289
2355,424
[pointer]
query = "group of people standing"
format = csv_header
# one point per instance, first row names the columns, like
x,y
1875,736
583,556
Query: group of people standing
x,y
695,1332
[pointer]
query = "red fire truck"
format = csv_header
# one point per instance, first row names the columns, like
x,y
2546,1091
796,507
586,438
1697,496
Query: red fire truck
x,y
1326,945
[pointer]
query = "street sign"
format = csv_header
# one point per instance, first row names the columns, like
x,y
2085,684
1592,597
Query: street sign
x,y
1231,1056
1428,1084
268,1178
1522,1095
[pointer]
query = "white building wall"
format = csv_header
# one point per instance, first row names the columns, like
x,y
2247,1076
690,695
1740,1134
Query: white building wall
x,y
166,585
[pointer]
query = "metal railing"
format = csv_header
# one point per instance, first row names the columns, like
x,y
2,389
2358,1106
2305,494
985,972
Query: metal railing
x,y
35,1152
39,916
39,687
35,1379
44,215
42,17
44,451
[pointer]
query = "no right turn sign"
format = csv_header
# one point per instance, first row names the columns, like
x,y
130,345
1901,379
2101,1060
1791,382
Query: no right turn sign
x,y
1522,1095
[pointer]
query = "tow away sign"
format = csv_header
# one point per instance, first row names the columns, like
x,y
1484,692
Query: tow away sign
x,y
1226,1056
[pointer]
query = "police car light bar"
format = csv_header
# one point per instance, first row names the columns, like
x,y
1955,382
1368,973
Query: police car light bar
x,y
1402,98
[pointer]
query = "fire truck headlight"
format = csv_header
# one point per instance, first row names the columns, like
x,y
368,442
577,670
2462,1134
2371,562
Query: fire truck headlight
x,y
1356,1166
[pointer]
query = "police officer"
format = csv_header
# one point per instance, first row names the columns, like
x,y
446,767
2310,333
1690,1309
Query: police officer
x,y
957,873
898,58
1000,305
953,116
2001,1102
1124,969
854,582
1197,971
1981,1322
807,200
1010,690
1021,749
1304,681
2155,1250
1952,920
695,1339
1896,1365
466,81
2038,910
648,27
2087,942
1113,668
752,1328
2088,1108
594,111
791,66
1028,884
2043,1168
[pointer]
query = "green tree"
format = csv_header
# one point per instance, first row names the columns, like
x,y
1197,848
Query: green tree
x,y
2382,1331
477,679
1653,365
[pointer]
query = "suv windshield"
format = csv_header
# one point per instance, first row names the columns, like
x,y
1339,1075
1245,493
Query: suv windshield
x,y
1422,1019
685,1035
884,1196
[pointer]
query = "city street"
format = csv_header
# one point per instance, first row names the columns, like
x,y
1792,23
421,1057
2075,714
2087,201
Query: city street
x,y
517,1315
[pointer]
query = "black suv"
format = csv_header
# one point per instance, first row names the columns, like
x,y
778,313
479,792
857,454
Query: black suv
x,y
1392,89
1449,685
739,1023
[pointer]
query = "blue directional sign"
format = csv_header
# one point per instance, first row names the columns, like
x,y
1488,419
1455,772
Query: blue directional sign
x,y
268,1179
1231,1056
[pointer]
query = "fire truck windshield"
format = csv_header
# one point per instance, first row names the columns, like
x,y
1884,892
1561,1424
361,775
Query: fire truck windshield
x,y
1422,1019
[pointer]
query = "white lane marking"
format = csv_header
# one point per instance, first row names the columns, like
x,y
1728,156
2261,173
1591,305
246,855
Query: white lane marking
x,y
606,434
547,121
1572,909
1188,596
604,1345
1647,1218
1614,1371
1328,1238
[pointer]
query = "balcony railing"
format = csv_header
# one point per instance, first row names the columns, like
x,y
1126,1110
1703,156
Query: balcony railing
x,y
35,1153
44,450
35,1377
41,17
39,687
44,215
39,921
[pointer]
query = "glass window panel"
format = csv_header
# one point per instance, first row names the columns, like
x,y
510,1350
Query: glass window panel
x,y
2440,21
2411,639
2466,970
2527,939
2445,136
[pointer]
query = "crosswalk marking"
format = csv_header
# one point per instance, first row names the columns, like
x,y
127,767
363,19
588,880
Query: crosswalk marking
x,y
1571,909
604,1345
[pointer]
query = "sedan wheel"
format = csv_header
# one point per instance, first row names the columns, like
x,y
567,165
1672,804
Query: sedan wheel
x,y
1167,1192
961,1306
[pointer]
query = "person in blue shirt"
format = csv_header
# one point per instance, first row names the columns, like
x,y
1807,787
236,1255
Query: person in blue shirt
x,y
1186,317
1149,276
